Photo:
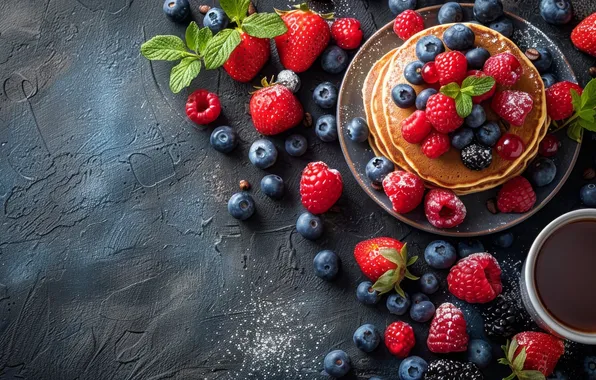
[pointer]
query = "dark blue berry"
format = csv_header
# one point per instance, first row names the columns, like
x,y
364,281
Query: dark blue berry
x,y
544,60
412,368
377,168
367,338
309,226
450,12
176,10
398,6
504,240
422,311
422,98
462,137
548,79
459,37
428,47
467,247
542,171
337,363
590,367
334,59
216,20
325,95
419,297
476,58
477,117
439,254
326,128
366,294
480,353
413,72
487,11
403,95
357,129
223,139
272,186
296,145
503,25
397,304
488,134
241,206
429,283
262,154
556,12
326,264
588,195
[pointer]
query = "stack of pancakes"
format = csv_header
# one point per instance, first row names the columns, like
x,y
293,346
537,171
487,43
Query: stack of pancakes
x,y
384,118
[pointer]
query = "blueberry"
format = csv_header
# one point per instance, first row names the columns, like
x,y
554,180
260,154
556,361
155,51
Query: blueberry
x,y
428,47
548,79
366,294
337,363
403,95
556,12
241,206
309,226
476,58
262,154
419,297
272,186
289,79
422,98
216,20
377,168
325,95
466,247
326,128
357,129
412,368
542,171
296,145
429,283
477,117
503,25
223,139
489,134
544,61
334,59
397,304
326,265
367,338
480,353
487,11
450,12
398,6
459,37
588,195
413,72
590,367
422,311
558,375
504,240
439,254
462,137
176,10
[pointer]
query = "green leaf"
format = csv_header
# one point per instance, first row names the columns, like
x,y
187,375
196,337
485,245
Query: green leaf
x,y
520,359
576,100
220,47
531,375
510,377
390,254
511,348
463,105
503,361
451,90
164,48
410,276
475,86
205,35
235,9
589,125
264,25
574,132
400,291
412,260
589,95
386,282
191,36
183,73
587,114
403,252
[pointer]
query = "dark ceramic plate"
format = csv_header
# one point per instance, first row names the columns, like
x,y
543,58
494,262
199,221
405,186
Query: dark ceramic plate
x,y
479,220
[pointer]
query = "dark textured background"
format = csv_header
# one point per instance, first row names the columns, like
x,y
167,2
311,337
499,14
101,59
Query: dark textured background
x,y
118,259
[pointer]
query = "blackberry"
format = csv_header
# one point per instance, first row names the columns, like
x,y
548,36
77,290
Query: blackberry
x,y
502,318
445,369
476,156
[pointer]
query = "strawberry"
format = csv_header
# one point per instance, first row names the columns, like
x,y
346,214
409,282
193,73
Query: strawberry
x,y
448,330
480,98
558,99
444,209
436,144
347,33
532,355
516,195
504,67
320,187
415,127
584,35
476,278
512,106
274,109
405,190
307,36
248,58
399,339
442,113
451,66
407,24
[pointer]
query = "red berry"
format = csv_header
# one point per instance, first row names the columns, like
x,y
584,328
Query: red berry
x,y
320,187
516,195
203,107
368,256
444,209
248,58
452,66
442,114
476,278
504,67
510,147
399,339
407,24
512,106
436,144
429,73
415,127
558,99
480,98
549,146
347,33
405,190
275,109
542,351
584,35
448,330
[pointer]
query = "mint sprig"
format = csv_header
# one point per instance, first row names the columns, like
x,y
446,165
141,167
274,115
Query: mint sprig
x,y
471,86
584,116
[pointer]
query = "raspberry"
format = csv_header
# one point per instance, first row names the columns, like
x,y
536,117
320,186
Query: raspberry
x,y
447,331
407,24
405,190
452,66
476,156
444,209
442,114
203,107
480,98
415,127
516,195
476,278
320,187
558,99
436,144
512,106
504,67
399,339
347,33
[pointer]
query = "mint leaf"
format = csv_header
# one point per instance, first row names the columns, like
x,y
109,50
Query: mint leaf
x,y
589,95
220,47
463,105
192,36
235,9
164,48
451,90
183,73
574,132
203,39
586,124
587,114
576,100
264,25
475,86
